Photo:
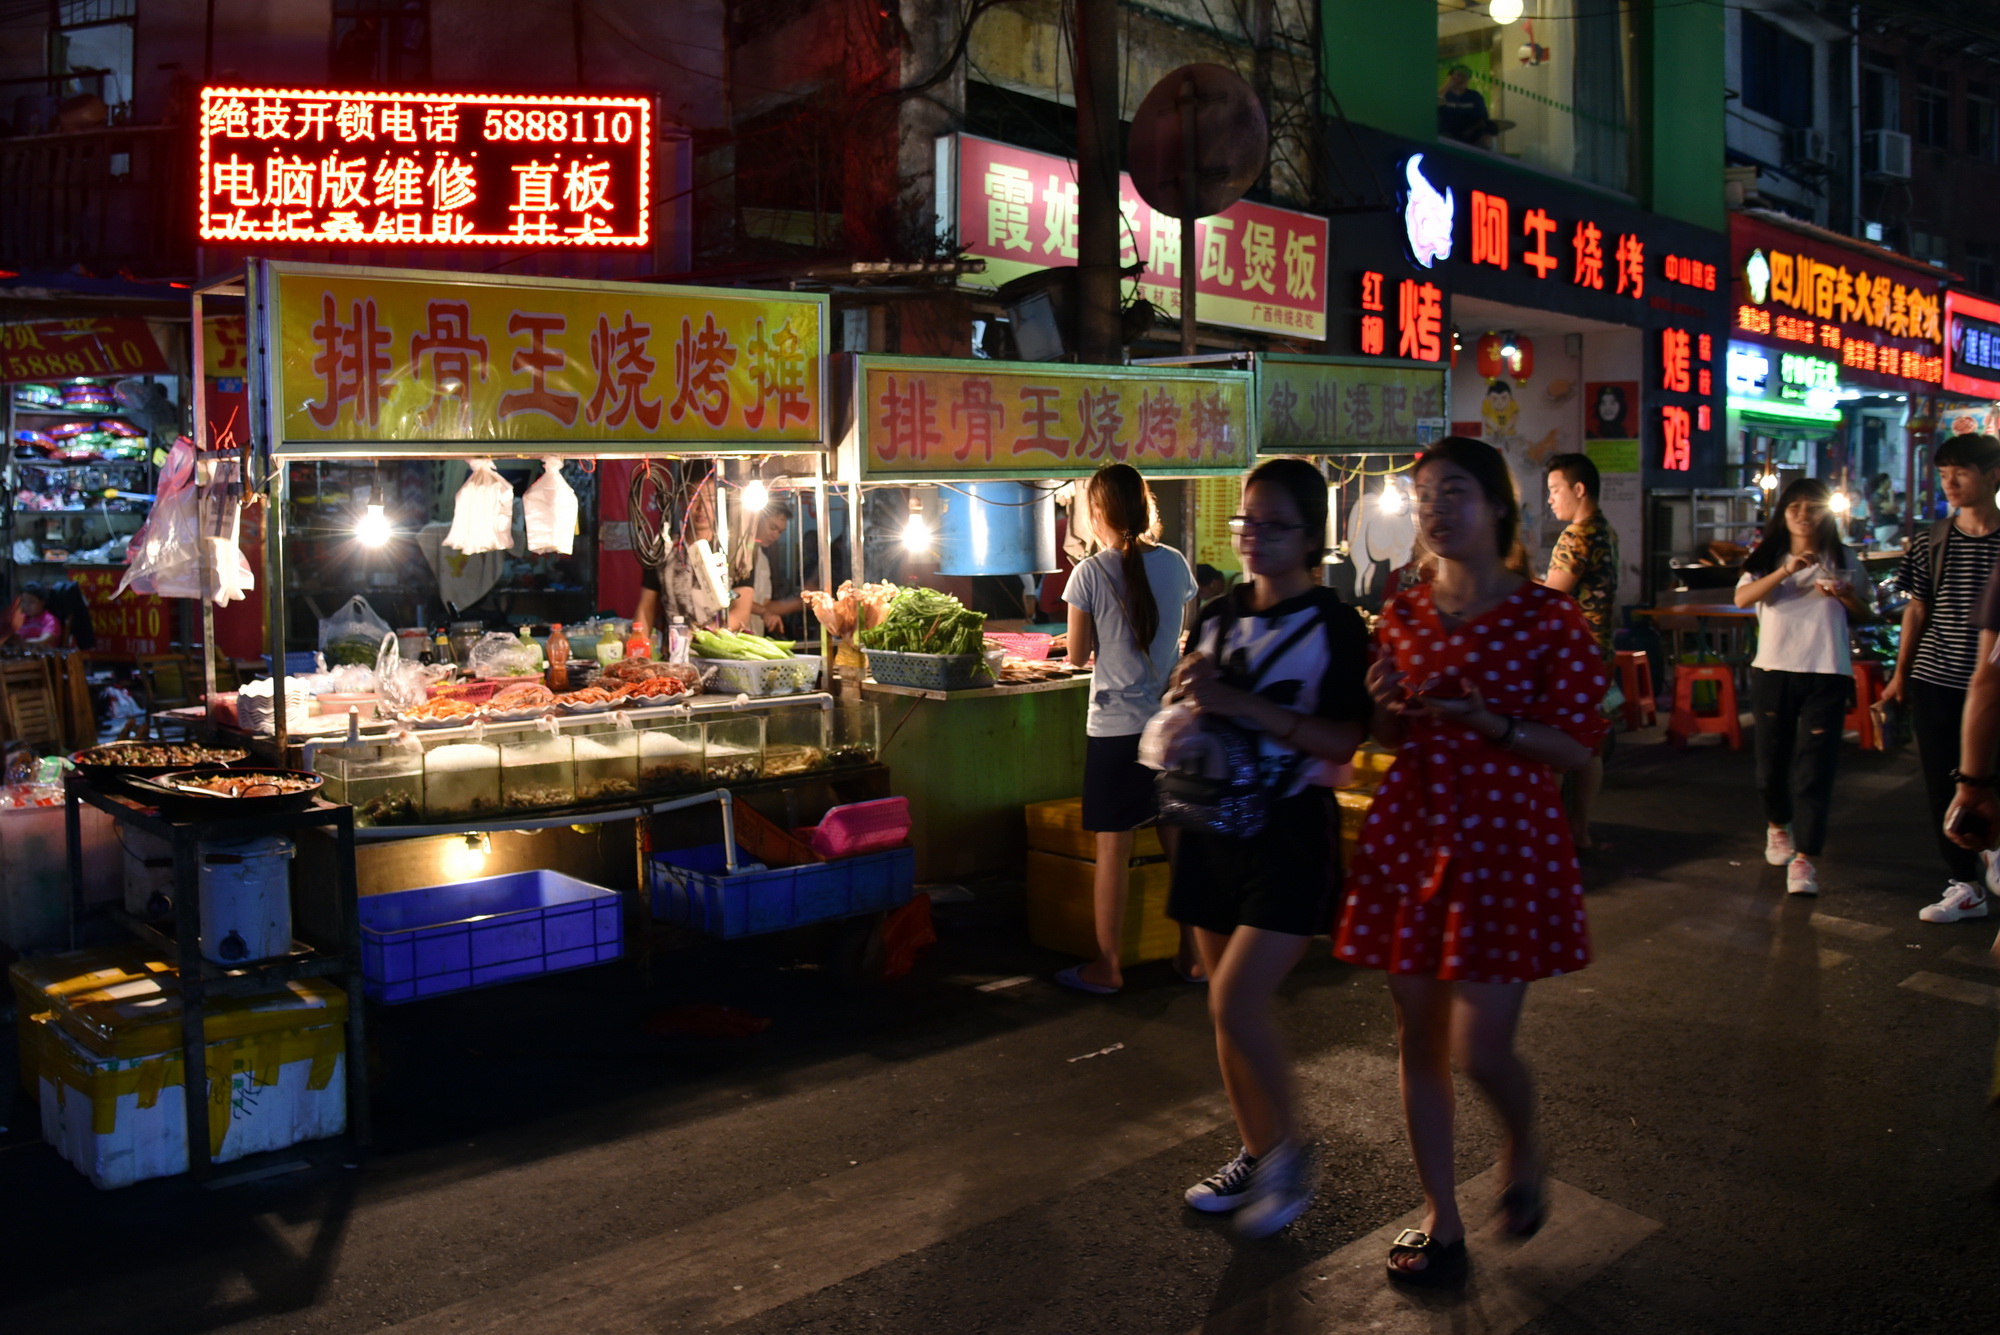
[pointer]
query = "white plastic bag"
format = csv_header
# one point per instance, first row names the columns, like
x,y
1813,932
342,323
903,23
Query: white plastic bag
x,y
352,634
1167,734
403,684
165,554
498,654
549,509
482,514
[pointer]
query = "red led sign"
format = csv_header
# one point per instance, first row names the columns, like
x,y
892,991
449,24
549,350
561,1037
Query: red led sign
x,y
431,168
1685,376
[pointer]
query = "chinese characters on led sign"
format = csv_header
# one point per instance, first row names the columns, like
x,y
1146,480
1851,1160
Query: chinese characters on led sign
x,y
1684,386
1829,297
1493,238
1975,346
427,168
1419,319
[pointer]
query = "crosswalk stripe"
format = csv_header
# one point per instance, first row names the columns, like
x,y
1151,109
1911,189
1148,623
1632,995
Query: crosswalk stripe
x,y
1512,1282
1753,940
1978,959
1953,989
1849,928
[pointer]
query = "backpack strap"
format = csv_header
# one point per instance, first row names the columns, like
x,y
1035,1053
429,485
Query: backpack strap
x,y
1940,535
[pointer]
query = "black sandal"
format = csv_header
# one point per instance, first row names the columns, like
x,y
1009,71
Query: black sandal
x,y
1444,1263
1526,1207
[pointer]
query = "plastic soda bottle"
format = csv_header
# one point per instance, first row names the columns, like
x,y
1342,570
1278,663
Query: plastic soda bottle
x,y
638,644
558,658
679,640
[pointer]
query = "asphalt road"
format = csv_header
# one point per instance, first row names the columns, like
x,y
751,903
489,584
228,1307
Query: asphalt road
x,y
1766,1116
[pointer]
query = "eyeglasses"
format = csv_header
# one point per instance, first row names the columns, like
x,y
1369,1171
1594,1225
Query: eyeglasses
x,y
1240,525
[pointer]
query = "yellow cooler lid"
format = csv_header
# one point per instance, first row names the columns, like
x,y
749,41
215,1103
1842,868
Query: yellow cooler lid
x,y
53,976
141,1017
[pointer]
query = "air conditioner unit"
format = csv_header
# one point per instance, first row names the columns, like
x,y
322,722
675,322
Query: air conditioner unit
x,y
1805,144
1886,153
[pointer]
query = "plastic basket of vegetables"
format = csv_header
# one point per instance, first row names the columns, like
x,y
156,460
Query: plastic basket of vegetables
x,y
737,664
929,641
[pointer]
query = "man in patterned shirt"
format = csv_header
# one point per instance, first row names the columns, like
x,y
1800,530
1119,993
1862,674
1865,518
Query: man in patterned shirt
x,y
1584,565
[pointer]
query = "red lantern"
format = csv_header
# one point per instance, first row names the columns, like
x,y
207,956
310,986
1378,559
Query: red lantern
x,y
1492,366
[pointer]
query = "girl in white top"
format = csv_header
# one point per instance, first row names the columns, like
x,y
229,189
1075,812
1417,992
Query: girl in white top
x,y
1807,589
1127,603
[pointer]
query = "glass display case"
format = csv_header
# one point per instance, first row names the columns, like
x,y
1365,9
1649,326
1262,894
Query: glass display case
x,y
383,782
733,749
461,779
671,756
853,734
794,741
607,760
537,769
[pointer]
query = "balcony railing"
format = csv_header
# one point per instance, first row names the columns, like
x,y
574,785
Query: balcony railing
x,y
112,200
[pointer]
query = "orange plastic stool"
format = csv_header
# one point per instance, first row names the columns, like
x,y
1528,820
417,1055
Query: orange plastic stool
x,y
1635,679
1685,721
1867,690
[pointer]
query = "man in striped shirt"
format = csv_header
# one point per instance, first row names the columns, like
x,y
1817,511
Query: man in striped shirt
x,y
1940,644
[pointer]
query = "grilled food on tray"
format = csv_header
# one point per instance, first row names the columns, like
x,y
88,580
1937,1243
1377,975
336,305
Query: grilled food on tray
x,y
176,755
246,785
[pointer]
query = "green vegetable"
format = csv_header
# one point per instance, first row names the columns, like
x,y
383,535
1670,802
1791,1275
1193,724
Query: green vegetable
x,y
737,647
924,621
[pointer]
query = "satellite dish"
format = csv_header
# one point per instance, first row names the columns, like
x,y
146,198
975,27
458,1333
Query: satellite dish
x,y
1232,140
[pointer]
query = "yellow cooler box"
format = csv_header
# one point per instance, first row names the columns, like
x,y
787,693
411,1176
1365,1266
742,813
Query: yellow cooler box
x,y
1061,914
109,1071
1371,765
42,982
1354,807
1057,827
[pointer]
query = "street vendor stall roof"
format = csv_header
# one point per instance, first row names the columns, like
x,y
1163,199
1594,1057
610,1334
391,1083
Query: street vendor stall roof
x,y
39,296
366,362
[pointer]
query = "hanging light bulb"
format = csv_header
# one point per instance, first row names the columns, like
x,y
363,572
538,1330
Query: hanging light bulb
x,y
755,495
1504,12
1839,503
1768,481
916,535
372,529
1392,501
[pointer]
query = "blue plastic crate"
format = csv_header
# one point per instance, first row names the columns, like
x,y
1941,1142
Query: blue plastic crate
x,y
448,938
298,663
691,888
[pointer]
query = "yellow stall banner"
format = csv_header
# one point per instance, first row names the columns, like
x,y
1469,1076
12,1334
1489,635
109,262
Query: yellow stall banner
x,y
919,418
1317,405
423,363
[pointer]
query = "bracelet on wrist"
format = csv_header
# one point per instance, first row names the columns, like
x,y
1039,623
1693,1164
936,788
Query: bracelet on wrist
x,y
1973,780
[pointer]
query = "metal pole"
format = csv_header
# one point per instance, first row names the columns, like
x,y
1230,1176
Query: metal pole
x,y
1099,334
198,366
1190,193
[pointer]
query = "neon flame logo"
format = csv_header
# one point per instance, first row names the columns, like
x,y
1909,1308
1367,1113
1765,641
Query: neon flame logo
x,y
1427,215
1757,277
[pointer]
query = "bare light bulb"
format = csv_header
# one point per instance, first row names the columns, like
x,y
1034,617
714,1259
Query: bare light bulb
x,y
1769,482
372,529
1392,501
756,495
916,535
1839,503
1504,12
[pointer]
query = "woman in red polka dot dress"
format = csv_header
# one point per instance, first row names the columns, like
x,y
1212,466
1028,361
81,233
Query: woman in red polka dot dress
x,y
1465,885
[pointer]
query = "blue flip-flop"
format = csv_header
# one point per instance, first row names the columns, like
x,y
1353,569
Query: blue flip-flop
x,y
1075,981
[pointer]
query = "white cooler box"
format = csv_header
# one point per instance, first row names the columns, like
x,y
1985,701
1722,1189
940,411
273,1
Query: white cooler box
x,y
110,1077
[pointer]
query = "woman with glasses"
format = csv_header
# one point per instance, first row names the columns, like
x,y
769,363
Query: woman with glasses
x,y
1465,885
1127,603
1807,589
1284,659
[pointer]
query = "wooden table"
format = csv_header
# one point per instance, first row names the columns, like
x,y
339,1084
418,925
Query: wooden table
x,y
1679,619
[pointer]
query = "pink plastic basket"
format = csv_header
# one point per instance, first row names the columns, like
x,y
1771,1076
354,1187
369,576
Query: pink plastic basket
x,y
862,827
1031,645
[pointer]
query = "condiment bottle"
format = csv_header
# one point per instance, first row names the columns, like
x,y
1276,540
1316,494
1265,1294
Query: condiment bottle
x,y
609,647
638,644
558,658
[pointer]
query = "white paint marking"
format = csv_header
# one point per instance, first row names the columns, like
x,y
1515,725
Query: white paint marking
x,y
1978,959
1954,989
1849,928
1002,984
1101,1052
1511,1282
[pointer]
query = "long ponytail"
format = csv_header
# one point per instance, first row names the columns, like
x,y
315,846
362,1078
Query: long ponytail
x,y
1119,497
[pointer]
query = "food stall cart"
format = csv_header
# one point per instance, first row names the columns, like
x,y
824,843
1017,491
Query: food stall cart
x,y
973,758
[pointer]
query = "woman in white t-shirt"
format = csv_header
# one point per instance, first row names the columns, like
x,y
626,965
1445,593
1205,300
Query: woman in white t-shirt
x,y
1807,589
1127,602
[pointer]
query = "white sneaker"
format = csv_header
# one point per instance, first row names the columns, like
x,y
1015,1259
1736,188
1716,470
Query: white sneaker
x,y
1778,848
1799,877
1280,1191
1962,900
1992,876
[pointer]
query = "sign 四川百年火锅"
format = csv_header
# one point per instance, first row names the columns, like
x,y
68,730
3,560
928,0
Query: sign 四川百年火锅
x,y
1316,404
921,418
425,168
1261,268
420,362
92,346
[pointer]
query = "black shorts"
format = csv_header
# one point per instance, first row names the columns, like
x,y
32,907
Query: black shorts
x,y
1287,879
1117,789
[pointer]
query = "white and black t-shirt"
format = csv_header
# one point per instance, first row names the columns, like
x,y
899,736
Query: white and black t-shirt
x,y
1949,649
1322,673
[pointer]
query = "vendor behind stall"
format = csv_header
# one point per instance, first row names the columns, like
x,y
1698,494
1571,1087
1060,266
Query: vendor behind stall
x,y
754,604
676,585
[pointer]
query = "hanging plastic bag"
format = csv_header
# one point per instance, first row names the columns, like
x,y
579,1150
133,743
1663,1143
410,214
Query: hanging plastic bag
x,y
352,634
164,546
550,511
482,514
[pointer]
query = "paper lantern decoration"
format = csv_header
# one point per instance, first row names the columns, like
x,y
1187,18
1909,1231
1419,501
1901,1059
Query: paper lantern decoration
x,y
1492,366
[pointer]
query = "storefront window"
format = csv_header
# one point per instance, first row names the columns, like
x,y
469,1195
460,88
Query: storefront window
x,y
1550,88
92,46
